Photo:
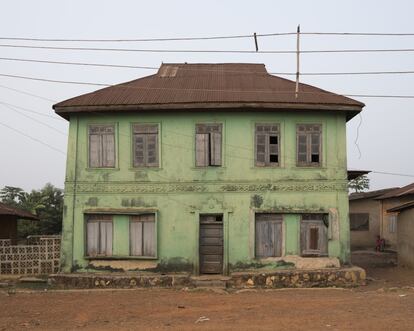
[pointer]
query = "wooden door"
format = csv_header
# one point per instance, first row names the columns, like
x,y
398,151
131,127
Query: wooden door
x,y
211,244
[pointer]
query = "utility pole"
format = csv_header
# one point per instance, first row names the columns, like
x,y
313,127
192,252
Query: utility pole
x,y
297,60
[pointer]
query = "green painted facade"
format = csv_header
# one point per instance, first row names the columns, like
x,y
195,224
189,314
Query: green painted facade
x,y
178,192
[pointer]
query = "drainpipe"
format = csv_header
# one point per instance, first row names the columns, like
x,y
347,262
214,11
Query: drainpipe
x,y
74,188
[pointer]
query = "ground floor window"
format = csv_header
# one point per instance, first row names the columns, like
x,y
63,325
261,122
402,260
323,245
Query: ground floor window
x,y
99,235
142,235
359,221
268,233
392,223
314,234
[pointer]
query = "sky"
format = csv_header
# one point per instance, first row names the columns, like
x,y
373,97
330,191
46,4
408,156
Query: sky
x,y
385,134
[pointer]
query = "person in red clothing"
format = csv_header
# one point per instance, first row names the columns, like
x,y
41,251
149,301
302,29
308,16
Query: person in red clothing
x,y
379,244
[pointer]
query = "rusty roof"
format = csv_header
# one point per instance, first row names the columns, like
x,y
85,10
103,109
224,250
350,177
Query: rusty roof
x,y
404,206
9,210
230,86
370,194
398,192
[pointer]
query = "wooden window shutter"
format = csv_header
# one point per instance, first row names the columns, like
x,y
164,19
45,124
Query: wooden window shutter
x,y
313,235
143,235
260,149
268,234
92,242
266,144
302,148
152,150
108,150
139,150
215,153
309,141
94,150
202,149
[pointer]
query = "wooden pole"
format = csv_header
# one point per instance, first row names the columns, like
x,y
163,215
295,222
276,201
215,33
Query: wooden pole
x,y
297,60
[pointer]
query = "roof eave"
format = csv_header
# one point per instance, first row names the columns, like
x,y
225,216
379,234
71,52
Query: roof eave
x,y
350,110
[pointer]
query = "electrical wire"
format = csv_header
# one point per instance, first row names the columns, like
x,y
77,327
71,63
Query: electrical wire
x,y
55,117
27,93
210,70
203,90
209,50
32,138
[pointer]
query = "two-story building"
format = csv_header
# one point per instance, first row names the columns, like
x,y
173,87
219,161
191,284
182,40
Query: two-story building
x,y
206,168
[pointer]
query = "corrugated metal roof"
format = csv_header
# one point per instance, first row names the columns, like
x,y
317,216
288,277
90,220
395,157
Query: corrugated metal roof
x,y
407,205
208,86
8,210
399,192
370,194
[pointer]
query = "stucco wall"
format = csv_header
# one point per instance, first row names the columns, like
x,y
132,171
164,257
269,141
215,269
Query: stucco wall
x,y
391,238
406,238
366,239
179,191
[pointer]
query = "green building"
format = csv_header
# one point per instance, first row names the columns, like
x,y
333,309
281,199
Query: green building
x,y
206,168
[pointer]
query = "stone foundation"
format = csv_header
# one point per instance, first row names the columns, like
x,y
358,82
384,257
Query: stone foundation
x,y
338,277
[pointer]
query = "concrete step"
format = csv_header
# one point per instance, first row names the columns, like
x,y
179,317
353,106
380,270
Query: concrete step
x,y
208,282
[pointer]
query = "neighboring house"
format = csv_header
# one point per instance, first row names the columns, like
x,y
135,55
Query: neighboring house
x,y
370,216
405,233
365,218
389,222
207,168
8,220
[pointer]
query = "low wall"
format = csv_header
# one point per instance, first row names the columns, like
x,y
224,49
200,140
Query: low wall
x,y
339,277
41,256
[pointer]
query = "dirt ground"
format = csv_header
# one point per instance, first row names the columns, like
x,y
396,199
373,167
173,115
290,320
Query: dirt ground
x,y
386,303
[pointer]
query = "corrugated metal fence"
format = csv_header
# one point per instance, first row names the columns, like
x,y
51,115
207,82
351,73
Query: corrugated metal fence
x,y
39,256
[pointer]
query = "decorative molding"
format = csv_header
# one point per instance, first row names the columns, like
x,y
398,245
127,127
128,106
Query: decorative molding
x,y
206,187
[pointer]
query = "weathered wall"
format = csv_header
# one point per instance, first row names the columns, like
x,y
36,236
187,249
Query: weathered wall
x,y
391,238
8,227
366,239
405,230
180,192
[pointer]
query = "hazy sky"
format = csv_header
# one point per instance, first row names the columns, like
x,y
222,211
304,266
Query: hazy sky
x,y
385,135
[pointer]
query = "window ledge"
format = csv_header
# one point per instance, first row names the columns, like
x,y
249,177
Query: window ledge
x,y
121,257
102,169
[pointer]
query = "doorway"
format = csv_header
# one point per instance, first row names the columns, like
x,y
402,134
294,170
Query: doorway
x,y
211,244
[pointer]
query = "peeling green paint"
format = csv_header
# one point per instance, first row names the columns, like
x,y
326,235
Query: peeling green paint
x,y
178,191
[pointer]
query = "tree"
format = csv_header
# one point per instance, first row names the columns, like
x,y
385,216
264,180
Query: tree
x,y
359,184
46,203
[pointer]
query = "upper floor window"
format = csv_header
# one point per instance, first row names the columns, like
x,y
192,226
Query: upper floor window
x,y
267,144
99,235
145,145
102,146
309,141
208,145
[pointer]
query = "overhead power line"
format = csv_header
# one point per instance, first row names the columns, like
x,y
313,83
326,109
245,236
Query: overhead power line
x,y
27,93
33,138
209,50
212,70
58,118
203,90
242,36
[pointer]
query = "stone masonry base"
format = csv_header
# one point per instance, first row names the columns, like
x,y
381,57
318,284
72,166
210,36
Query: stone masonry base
x,y
338,277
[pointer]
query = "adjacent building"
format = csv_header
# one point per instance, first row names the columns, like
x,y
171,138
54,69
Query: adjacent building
x,y
9,217
208,169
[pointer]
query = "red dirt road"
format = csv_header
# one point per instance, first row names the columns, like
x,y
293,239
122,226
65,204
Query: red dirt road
x,y
163,309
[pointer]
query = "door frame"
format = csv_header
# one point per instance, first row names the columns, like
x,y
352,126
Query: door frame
x,y
196,265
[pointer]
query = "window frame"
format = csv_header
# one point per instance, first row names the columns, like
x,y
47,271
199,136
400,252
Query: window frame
x,y
279,221
88,139
360,215
311,223
206,128
99,218
308,133
267,163
392,223
155,221
158,146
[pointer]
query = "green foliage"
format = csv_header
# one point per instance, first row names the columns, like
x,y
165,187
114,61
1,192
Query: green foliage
x,y
359,184
46,203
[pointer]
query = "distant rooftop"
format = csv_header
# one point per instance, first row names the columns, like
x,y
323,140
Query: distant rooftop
x,y
398,192
8,210
207,86
370,194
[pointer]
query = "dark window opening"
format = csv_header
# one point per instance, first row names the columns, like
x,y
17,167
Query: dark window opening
x,y
267,145
274,158
315,158
273,140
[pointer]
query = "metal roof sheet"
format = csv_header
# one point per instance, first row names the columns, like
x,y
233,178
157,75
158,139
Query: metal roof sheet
x,y
181,87
8,210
